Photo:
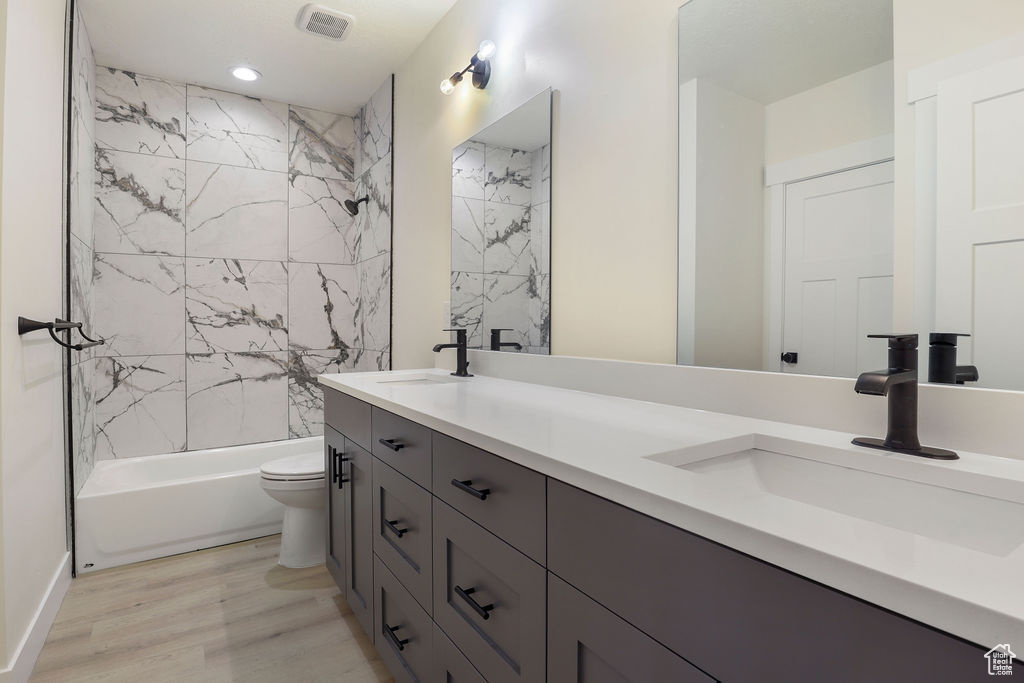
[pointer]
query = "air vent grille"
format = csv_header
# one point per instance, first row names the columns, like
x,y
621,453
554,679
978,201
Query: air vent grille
x,y
326,22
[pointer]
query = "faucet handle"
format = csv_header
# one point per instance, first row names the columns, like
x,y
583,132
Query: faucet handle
x,y
945,338
898,341
460,334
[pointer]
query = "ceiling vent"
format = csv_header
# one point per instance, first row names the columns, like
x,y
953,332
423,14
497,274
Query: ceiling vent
x,y
324,21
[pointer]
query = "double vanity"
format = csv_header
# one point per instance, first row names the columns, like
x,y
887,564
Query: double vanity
x,y
484,529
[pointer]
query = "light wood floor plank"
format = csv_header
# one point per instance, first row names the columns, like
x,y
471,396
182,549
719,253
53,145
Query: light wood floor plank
x,y
217,615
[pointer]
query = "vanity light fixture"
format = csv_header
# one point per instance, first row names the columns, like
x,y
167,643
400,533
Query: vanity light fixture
x,y
245,73
479,66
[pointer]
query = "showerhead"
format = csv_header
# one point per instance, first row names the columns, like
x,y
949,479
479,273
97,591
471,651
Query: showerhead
x,y
352,207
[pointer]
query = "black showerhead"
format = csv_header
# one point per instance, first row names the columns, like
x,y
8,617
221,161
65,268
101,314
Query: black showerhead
x,y
353,206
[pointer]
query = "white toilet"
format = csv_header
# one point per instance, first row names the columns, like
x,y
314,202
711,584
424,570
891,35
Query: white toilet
x,y
298,483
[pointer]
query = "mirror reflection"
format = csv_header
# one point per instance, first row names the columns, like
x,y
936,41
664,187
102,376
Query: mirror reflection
x,y
501,232
786,184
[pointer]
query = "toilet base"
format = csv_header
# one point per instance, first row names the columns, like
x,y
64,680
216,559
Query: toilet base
x,y
303,538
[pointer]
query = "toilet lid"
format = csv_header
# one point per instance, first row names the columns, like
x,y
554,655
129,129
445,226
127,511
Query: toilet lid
x,y
305,466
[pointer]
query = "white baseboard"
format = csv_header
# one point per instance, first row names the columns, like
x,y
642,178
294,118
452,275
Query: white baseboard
x,y
23,660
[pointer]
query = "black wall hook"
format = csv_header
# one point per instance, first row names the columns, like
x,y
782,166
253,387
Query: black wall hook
x,y
26,325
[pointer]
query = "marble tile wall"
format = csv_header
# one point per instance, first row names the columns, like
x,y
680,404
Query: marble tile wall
x,y
227,273
80,248
501,242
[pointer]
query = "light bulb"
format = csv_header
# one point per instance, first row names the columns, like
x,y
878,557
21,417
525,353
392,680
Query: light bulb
x,y
245,73
485,51
447,86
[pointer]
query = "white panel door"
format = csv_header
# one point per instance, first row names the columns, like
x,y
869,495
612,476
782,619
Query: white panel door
x,y
838,272
979,241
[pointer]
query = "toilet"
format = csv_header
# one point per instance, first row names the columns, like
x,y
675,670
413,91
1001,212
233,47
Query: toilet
x,y
297,482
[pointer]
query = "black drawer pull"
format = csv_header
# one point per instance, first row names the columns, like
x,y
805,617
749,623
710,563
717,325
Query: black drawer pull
x,y
390,443
389,632
482,610
465,486
391,526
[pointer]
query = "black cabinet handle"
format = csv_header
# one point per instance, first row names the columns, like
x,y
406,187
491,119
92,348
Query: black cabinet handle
x,y
338,459
465,486
389,633
336,466
482,610
390,443
391,526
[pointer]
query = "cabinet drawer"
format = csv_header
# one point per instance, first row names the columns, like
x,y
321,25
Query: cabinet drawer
x,y
589,644
450,665
403,633
736,617
401,530
348,415
489,598
499,495
403,444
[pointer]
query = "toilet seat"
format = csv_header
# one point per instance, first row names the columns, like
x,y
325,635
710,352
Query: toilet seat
x,y
305,467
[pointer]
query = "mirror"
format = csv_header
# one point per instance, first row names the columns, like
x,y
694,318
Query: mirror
x,y
786,159
501,231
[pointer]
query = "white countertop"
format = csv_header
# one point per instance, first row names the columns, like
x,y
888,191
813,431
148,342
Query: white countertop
x,y
601,444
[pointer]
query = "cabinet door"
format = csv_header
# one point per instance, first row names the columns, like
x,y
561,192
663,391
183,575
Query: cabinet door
x,y
334,451
358,502
589,644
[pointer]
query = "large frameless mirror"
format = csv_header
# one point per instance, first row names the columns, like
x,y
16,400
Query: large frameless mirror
x,y
786,184
501,231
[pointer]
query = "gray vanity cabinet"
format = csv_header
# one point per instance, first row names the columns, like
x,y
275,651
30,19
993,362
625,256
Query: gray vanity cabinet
x,y
589,644
509,576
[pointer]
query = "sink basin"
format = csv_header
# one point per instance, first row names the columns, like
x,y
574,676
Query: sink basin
x,y
797,471
425,379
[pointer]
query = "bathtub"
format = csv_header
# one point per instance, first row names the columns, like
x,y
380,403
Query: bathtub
x,y
142,508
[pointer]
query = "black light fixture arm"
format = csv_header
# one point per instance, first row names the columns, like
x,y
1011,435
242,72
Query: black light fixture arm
x,y
26,325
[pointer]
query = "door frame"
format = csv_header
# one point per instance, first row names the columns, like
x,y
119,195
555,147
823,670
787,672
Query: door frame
x,y
778,176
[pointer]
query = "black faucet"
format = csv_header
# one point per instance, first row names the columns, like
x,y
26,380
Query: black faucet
x,y
942,367
899,383
497,344
461,362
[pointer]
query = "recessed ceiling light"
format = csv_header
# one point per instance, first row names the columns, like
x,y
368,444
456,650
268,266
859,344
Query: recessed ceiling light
x,y
245,73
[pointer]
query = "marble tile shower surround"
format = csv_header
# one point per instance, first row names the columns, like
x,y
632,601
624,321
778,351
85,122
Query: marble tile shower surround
x,y
500,243
227,273
80,256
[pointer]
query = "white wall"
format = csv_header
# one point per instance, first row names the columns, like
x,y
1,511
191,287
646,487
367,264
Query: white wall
x,y
613,67
925,31
849,109
31,380
729,201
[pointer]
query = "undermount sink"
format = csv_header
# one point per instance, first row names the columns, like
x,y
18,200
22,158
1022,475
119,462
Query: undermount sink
x,y
424,379
797,471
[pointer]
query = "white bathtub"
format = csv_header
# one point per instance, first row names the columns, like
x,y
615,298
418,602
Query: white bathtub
x,y
142,508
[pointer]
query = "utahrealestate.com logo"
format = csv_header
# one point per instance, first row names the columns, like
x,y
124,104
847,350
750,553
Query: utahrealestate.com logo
x,y
1000,660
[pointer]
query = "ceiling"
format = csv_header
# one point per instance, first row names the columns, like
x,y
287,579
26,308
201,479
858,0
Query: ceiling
x,y
197,41
767,50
